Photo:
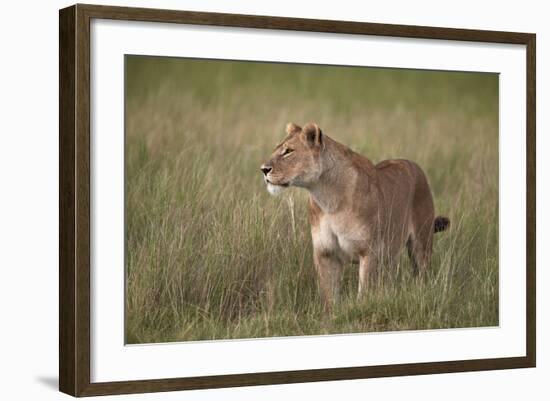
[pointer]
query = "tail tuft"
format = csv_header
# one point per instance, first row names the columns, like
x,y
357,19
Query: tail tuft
x,y
441,223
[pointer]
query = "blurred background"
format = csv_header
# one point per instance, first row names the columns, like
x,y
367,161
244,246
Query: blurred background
x,y
211,255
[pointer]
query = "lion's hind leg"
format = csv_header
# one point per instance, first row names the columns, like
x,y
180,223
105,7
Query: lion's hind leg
x,y
419,247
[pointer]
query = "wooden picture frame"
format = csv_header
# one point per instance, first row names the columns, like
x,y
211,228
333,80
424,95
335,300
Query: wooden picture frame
x,y
74,200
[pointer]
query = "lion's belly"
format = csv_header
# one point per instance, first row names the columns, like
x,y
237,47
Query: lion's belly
x,y
345,240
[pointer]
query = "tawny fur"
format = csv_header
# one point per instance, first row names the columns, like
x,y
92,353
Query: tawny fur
x,y
359,211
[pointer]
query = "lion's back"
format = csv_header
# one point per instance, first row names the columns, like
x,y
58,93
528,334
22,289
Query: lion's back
x,y
403,181
399,171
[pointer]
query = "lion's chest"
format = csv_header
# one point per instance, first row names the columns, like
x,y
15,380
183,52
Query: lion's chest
x,y
334,234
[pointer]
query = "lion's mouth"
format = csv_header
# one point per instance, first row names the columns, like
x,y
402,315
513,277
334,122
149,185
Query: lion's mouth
x,y
276,189
284,184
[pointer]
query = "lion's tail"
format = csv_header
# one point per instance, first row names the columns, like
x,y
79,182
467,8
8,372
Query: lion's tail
x,y
441,223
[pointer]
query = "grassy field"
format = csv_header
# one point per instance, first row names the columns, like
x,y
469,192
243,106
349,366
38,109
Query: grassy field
x,y
211,255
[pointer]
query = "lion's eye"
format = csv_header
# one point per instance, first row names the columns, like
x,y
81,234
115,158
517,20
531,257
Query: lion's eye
x,y
287,152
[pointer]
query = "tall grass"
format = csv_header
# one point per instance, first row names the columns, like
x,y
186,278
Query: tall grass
x,y
211,255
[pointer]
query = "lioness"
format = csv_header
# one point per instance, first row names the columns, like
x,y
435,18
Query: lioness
x,y
359,211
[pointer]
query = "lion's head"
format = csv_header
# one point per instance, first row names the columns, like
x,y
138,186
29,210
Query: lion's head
x,y
296,160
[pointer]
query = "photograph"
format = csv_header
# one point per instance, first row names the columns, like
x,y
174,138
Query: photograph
x,y
270,199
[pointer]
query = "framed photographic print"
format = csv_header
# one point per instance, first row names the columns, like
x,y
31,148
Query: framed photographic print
x,y
250,200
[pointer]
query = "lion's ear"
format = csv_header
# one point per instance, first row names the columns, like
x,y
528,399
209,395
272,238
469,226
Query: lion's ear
x,y
313,134
292,128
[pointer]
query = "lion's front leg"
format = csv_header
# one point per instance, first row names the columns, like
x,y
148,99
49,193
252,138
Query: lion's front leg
x,y
368,266
329,270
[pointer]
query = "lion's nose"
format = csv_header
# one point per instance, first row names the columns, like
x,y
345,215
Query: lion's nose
x,y
266,169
